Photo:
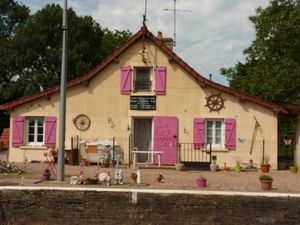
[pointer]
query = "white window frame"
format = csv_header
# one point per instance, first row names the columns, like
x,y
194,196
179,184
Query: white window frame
x,y
213,144
35,142
150,78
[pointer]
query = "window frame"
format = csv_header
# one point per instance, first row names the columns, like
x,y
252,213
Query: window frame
x,y
135,79
213,144
36,134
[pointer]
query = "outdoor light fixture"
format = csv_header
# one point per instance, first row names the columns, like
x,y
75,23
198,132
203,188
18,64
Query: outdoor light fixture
x,y
287,141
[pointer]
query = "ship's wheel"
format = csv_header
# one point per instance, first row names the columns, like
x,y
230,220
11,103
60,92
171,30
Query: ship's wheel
x,y
215,102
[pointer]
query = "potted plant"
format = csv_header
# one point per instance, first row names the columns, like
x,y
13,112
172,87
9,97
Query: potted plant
x,y
237,166
265,166
293,168
201,182
46,174
266,182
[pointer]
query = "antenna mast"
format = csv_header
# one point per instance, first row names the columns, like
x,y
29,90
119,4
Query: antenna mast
x,y
145,14
174,12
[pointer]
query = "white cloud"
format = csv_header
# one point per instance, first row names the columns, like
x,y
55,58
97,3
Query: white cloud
x,y
211,36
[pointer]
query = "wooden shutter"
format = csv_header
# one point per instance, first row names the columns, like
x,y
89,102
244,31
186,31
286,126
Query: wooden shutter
x,y
18,127
126,76
50,131
199,133
160,80
230,134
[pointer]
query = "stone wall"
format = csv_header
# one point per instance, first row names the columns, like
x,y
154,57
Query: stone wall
x,y
130,207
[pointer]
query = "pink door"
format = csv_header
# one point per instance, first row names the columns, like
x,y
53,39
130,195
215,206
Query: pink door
x,y
165,138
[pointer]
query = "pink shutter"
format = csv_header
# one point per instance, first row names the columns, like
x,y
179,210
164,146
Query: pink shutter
x,y
50,131
18,127
230,134
126,76
160,80
198,133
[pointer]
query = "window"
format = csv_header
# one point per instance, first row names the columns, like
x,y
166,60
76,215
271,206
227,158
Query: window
x,y
35,131
142,81
214,130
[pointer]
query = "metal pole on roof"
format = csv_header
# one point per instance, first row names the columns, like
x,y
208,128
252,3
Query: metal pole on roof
x,y
62,109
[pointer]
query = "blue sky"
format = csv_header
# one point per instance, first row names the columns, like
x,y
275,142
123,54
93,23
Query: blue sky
x,y
210,34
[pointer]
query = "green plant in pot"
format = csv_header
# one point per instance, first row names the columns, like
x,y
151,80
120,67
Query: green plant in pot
x,y
265,165
266,182
293,168
237,166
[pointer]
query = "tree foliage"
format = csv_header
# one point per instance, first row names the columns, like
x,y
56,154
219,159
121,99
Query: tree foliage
x,y
32,50
272,67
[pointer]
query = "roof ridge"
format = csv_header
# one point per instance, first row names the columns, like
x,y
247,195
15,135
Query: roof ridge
x,y
172,57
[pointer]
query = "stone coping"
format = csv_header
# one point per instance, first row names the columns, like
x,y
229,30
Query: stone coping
x,y
154,191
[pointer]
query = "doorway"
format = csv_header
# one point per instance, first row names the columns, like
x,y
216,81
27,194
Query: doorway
x,y
142,138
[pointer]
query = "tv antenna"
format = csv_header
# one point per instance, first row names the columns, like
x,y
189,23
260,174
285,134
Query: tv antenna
x,y
145,14
174,17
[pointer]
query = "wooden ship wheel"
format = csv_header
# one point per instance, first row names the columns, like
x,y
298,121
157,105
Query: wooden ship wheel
x,y
82,122
215,102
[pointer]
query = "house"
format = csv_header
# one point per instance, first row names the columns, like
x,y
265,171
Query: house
x,y
148,98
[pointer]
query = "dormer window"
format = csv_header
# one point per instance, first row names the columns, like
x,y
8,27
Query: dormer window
x,y
142,79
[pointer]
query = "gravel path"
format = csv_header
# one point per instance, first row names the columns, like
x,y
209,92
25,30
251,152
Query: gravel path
x,y
284,181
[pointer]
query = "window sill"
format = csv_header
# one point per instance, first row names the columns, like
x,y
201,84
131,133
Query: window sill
x,y
150,93
34,147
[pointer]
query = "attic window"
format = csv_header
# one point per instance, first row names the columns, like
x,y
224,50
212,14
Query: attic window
x,y
142,79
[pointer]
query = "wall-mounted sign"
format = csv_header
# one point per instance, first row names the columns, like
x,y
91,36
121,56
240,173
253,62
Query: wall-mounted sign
x,y
142,102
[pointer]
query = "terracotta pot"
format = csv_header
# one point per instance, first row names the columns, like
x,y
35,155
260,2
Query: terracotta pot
x,y
265,168
201,183
266,185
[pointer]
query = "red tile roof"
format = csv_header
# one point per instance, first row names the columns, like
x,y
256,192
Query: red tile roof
x,y
144,33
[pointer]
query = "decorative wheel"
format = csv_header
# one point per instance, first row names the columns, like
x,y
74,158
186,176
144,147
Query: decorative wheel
x,y
215,102
82,122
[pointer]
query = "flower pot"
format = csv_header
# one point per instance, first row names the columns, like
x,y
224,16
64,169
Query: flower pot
x,y
179,166
214,167
237,168
265,168
201,183
46,175
266,185
293,169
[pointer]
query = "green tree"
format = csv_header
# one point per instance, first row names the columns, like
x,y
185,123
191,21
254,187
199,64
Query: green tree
x,y
272,67
11,15
272,63
35,50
